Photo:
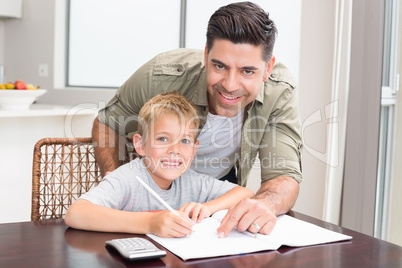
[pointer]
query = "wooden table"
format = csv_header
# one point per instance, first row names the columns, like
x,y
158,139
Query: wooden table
x,y
51,243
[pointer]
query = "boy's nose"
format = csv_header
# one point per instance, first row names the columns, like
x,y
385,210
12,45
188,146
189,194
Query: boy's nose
x,y
174,148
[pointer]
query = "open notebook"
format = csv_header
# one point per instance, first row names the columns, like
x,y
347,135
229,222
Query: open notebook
x,y
204,242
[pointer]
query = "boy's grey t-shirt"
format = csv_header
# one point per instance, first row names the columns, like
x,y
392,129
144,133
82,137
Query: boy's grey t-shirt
x,y
121,190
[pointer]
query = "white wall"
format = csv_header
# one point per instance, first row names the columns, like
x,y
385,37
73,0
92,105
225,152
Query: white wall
x,y
316,62
30,41
395,222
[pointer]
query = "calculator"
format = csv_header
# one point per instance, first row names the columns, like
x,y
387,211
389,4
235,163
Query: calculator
x,y
136,248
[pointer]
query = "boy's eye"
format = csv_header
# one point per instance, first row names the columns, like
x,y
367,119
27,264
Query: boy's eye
x,y
186,141
162,139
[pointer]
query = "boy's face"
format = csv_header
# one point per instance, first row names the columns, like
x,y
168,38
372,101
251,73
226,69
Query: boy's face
x,y
235,73
169,148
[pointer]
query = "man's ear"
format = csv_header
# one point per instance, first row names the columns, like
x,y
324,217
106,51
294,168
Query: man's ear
x,y
270,66
138,144
205,56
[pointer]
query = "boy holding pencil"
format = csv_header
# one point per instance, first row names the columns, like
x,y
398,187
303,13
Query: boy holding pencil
x,y
167,143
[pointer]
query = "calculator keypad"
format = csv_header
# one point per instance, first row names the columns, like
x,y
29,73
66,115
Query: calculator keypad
x,y
136,248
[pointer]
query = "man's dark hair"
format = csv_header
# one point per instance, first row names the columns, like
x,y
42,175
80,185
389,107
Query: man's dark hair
x,y
242,23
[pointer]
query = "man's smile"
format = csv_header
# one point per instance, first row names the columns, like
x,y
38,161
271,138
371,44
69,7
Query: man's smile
x,y
228,97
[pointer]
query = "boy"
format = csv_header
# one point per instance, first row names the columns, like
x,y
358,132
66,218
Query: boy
x,y
167,143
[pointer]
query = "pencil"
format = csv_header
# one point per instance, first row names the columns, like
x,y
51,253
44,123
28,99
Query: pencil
x,y
163,202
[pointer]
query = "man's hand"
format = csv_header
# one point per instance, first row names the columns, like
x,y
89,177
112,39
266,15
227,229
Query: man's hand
x,y
258,214
253,215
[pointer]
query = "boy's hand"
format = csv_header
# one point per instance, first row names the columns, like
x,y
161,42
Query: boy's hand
x,y
168,224
196,211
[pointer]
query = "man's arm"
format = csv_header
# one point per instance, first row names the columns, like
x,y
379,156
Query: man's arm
x,y
275,197
279,194
109,147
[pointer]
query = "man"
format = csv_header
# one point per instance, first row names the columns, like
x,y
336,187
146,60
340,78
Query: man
x,y
247,101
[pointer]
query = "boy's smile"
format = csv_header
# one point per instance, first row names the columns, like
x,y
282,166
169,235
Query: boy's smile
x,y
171,163
169,148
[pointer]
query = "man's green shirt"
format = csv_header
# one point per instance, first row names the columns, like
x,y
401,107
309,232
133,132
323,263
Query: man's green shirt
x,y
271,128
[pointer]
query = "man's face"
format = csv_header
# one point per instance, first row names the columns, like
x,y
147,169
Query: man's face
x,y
234,76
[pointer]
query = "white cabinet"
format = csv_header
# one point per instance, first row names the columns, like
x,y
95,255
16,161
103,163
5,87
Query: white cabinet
x,y
10,9
20,130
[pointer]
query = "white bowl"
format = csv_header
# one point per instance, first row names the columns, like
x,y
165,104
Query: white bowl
x,y
19,99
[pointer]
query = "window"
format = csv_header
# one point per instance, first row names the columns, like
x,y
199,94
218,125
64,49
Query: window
x,y
109,39
390,85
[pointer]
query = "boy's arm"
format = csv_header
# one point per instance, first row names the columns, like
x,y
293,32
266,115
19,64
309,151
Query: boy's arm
x,y
198,211
88,216
229,199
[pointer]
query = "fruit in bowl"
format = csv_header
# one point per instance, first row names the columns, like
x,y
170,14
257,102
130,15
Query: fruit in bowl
x,y
18,95
18,84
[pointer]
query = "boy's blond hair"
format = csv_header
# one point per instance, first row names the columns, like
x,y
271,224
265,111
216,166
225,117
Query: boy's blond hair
x,y
168,103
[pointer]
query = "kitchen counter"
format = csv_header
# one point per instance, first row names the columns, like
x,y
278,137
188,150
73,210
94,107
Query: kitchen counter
x,y
51,110
20,130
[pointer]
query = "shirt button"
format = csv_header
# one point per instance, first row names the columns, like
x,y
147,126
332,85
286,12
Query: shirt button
x,y
179,69
272,76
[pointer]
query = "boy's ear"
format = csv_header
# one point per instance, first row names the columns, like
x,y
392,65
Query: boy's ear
x,y
138,144
196,146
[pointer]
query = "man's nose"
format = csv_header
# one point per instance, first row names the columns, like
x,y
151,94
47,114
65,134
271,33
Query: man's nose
x,y
231,81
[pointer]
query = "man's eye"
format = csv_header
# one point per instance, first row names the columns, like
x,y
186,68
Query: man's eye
x,y
162,139
248,72
219,67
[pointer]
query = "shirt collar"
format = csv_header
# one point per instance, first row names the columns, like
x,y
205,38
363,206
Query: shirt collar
x,y
260,96
200,96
